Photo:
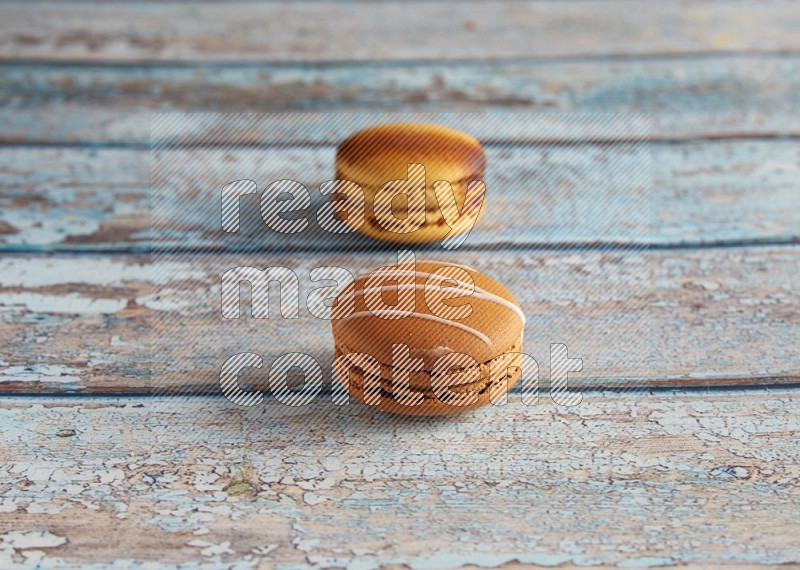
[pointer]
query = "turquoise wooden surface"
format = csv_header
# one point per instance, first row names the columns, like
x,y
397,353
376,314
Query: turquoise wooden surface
x,y
727,192
697,96
700,470
680,318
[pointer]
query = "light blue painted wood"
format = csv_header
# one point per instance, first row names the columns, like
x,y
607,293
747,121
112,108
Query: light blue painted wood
x,y
703,193
319,32
124,324
695,97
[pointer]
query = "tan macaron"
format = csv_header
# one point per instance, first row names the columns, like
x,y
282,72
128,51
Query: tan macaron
x,y
431,338
379,156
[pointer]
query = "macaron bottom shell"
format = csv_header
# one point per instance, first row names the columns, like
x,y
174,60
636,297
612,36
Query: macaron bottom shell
x,y
482,392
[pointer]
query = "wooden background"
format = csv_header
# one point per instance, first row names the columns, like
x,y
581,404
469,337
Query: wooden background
x,y
702,470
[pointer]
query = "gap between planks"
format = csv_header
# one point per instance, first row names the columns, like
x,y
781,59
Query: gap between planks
x,y
527,60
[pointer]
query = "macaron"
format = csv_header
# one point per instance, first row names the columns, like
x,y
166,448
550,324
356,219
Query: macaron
x,y
450,341
379,159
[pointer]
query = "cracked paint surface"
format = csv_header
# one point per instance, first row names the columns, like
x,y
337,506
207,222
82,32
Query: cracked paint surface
x,y
629,480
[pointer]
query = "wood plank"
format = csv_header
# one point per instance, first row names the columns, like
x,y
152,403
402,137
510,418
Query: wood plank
x,y
708,317
705,97
701,193
331,31
698,480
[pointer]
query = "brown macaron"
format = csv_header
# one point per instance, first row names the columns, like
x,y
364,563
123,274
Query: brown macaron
x,y
427,338
378,160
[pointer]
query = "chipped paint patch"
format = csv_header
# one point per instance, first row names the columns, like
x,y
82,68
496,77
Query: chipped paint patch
x,y
210,548
72,303
646,562
46,373
22,540
106,271
451,560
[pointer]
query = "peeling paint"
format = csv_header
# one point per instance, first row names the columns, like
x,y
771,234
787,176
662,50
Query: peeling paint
x,y
65,304
535,487
45,373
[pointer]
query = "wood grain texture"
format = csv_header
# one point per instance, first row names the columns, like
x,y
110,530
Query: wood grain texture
x,y
702,193
700,479
331,31
701,97
108,324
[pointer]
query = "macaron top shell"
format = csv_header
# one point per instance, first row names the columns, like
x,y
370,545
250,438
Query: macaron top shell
x,y
494,325
377,155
